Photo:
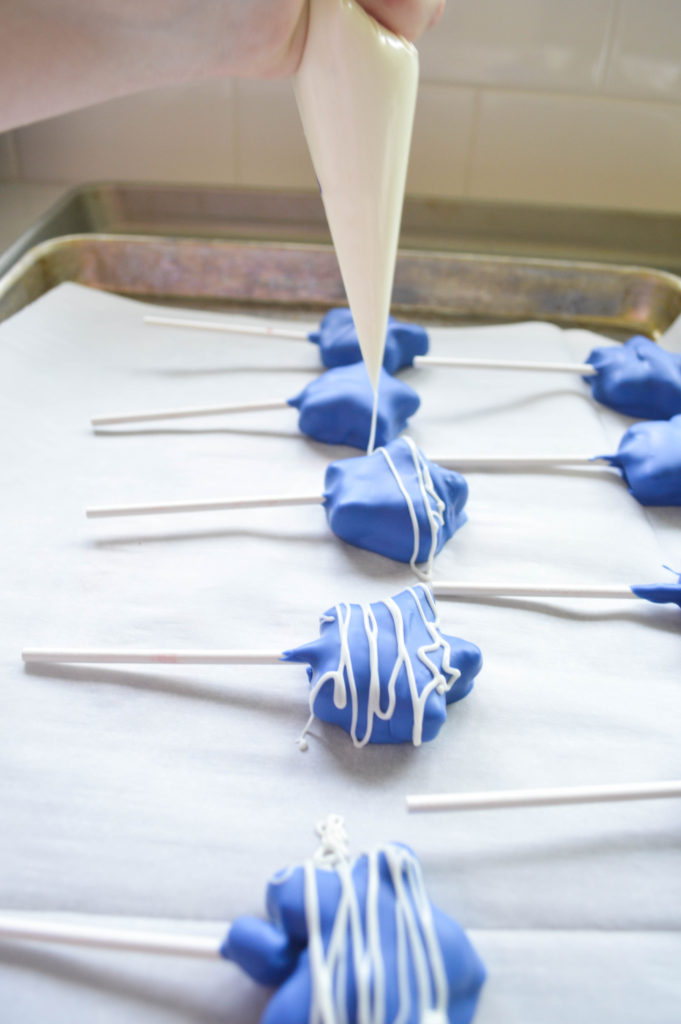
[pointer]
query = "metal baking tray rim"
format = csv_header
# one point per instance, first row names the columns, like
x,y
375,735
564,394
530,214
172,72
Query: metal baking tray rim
x,y
218,273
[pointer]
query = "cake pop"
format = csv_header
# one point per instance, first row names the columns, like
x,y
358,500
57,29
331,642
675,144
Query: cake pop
x,y
357,940
338,344
352,939
638,379
335,408
384,672
394,502
649,458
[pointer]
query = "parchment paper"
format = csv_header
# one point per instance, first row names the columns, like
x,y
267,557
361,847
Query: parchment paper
x,y
177,792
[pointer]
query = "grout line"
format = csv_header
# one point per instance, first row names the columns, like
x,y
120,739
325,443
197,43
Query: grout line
x,y
236,135
672,102
472,142
610,35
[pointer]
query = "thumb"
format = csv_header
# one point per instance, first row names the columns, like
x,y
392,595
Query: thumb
x,y
408,18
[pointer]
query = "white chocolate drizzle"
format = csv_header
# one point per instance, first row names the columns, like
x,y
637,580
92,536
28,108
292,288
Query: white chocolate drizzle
x,y
417,944
435,515
374,422
343,676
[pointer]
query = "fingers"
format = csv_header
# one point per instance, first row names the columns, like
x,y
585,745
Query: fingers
x,y
408,18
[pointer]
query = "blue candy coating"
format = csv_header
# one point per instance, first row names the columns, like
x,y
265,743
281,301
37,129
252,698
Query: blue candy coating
x,y
336,408
432,657
257,945
649,457
365,505
660,593
339,345
638,379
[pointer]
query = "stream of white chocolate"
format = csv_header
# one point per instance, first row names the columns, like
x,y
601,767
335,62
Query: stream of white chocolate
x,y
435,515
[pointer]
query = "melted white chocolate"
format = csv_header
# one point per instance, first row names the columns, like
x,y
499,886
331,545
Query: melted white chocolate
x,y
343,676
435,515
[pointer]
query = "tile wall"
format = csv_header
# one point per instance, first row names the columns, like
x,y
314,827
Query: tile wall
x,y
558,101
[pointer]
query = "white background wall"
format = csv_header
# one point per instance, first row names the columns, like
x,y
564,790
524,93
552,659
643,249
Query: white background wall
x,y
559,101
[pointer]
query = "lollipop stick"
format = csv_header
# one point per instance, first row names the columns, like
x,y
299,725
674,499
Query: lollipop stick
x,y
176,414
543,797
511,461
264,331
114,656
40,928
101,512
584,369
447,588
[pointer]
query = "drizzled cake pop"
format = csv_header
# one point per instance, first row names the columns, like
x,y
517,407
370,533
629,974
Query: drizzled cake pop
x,y
638,379
335,408
357,940
352,939
394,502
422,505
383,672
649,458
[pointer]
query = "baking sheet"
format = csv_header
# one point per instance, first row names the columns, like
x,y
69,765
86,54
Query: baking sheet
x,y
177,792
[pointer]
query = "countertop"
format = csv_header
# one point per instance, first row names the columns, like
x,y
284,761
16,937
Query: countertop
x,y
20,205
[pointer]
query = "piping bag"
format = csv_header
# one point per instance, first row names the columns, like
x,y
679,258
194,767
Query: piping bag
x,y
356,91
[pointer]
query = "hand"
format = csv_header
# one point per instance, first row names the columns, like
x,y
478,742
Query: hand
x,y
58,57
408,18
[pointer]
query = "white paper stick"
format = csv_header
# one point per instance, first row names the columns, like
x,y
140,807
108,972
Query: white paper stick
x,y
117,656
512,461
446,588
41,928
102,512
264,331
543,797
176,414
584,369
292,334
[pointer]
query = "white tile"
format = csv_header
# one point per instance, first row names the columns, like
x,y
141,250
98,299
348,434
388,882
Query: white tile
x,y
594,151
646,53
441,141
552,44
8,168
271,147
179,134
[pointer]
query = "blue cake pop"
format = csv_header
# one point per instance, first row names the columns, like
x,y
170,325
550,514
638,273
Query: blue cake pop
x,y
384,672
395,502
660,593
649,458
357,940
339,345
638,379
336,408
